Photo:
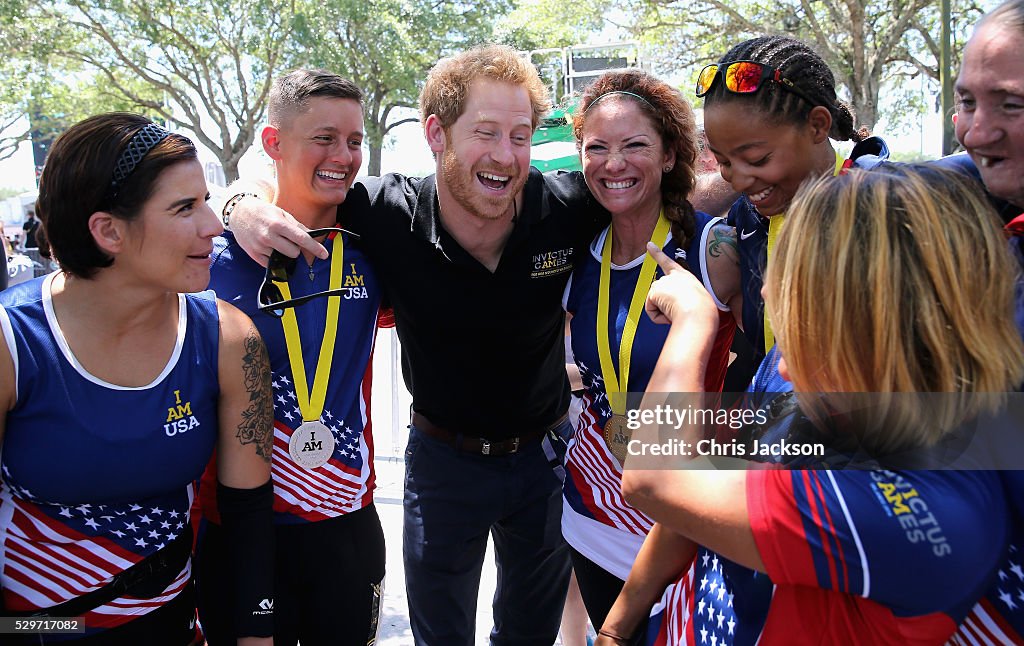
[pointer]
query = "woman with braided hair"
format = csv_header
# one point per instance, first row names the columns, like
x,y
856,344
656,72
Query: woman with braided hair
x,y
770,113
637,141
770,110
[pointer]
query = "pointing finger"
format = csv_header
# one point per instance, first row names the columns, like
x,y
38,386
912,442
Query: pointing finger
x,y
668,266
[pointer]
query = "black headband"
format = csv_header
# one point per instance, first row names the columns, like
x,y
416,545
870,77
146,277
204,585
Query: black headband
x,y
141,143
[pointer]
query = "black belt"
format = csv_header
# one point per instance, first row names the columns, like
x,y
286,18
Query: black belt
x,y
479,445
146,579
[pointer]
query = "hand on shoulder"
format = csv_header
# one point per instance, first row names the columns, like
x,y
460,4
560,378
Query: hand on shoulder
x,y
260,228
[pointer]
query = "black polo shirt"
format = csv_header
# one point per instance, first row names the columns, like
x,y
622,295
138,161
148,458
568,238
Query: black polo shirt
x,y
482,352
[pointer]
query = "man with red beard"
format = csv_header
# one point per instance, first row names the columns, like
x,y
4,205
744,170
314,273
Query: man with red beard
x,y
474,261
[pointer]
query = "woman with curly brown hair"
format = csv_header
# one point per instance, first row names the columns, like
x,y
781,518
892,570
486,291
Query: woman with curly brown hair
x,y
638,145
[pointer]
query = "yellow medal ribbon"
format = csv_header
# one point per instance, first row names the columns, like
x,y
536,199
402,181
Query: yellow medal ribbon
x,y
615,385
774,226
312,405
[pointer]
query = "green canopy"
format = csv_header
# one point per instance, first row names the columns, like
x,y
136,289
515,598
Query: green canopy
x,y
553,146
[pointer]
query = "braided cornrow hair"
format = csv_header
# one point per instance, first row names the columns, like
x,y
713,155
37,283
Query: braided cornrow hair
x,y
673,119
801,65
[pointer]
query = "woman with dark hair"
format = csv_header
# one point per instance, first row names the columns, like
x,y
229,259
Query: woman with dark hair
x,y
117,383
770,113
638,145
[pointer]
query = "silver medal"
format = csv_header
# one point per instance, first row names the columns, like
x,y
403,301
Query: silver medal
x,y
311,445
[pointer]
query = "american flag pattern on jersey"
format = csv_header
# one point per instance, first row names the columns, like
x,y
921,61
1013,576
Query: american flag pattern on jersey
x,y
714,619
593,486
669,622
343,485
53,552
594,482
346,482
998,618
698,608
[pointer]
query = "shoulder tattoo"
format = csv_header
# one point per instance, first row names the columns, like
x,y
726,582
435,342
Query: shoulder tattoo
x,y
723,242
257,425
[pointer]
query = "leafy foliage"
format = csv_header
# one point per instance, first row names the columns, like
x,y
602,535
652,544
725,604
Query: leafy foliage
x,y
204,65
541,24
207,65
387,47
867,43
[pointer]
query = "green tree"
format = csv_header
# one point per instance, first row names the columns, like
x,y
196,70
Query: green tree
x,y
204,65
865,42
387,47
541,24
42,95
16,69
45,106
15,106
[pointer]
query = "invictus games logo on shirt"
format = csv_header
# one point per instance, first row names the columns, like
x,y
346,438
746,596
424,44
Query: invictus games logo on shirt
x,y
551,263
901,501
179,417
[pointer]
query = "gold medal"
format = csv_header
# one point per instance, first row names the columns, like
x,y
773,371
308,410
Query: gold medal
x,y
616,436
616,433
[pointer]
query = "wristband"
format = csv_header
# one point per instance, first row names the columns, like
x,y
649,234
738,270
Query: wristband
x,y
611,635
229,206
248,522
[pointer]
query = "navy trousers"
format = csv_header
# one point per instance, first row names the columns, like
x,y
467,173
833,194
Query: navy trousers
x,y
453,501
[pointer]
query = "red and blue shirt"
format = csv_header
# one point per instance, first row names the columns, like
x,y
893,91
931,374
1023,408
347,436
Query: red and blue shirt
x,y
854,556
346,482
871,557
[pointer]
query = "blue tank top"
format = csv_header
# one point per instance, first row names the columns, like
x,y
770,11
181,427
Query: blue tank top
x,y
581,302
98,476
73,438
592,487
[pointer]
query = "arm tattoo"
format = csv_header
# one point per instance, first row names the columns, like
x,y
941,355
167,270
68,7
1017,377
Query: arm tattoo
x,y
257,425
722,240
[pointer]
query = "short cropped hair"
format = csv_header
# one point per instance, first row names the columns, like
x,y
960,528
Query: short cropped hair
x,y
674,121
447,86
897,280
1008,14
76,182
290,94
